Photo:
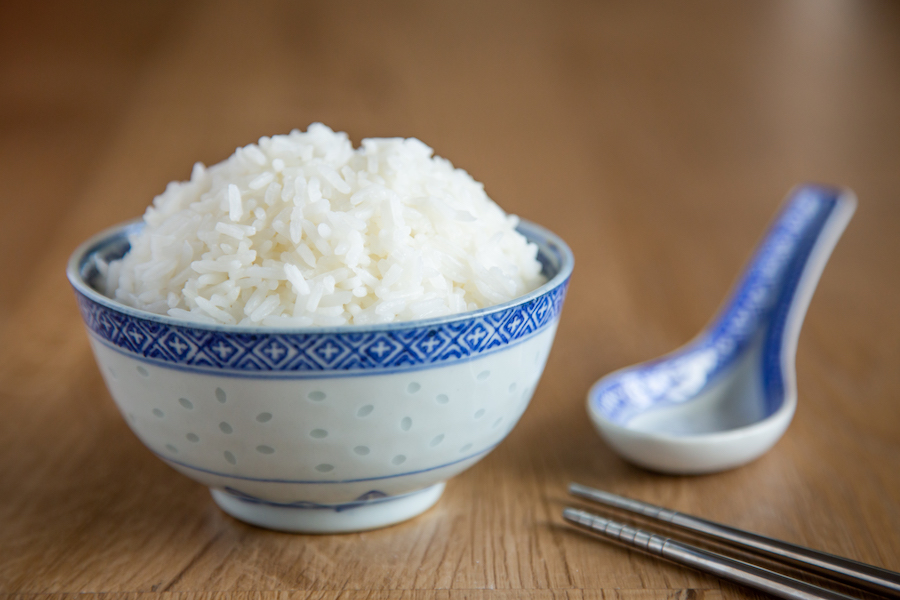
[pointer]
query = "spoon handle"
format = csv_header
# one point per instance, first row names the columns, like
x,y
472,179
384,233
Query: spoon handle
x,y
777,285
841,569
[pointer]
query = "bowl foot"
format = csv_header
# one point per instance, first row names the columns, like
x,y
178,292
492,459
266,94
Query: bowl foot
x,y
336,518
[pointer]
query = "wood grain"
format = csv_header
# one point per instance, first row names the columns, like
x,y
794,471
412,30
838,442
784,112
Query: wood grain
x,y
656,139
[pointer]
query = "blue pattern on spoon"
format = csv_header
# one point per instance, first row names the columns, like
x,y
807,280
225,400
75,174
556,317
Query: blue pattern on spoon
x,y
753,341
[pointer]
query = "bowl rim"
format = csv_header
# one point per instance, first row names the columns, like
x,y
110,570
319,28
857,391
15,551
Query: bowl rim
x,y
81,253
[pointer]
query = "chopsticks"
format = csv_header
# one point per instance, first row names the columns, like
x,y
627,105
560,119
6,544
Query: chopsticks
x,y
841,569
703,560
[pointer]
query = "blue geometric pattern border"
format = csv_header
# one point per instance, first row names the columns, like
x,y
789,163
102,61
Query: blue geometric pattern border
x,y
348,350
394,349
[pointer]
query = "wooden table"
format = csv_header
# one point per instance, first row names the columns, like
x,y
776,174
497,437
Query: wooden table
x,y
657,139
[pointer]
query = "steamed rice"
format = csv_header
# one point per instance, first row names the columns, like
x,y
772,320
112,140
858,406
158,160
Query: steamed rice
x,y
304,230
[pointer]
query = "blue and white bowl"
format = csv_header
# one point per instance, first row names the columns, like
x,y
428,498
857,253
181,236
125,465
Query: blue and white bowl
x,y
315,429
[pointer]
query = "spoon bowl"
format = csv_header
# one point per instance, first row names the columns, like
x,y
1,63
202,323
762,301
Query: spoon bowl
x,y
727,396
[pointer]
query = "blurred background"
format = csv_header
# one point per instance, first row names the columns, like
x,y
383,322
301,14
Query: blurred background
x,y
651,119
656,138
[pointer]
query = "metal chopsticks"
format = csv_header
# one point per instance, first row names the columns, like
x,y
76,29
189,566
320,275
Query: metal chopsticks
x,y
841,569
703,560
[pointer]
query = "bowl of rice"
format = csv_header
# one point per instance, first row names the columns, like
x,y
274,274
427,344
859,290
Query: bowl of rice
x,y
323,335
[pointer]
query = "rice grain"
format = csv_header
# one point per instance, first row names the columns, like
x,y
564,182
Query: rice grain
x,y
304,230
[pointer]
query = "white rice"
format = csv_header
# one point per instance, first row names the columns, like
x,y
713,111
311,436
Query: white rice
x,y
304,230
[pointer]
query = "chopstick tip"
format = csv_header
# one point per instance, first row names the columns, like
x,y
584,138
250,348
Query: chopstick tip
x,y
579,517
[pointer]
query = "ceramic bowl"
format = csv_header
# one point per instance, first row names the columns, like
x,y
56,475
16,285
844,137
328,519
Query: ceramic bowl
x,y
315,429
